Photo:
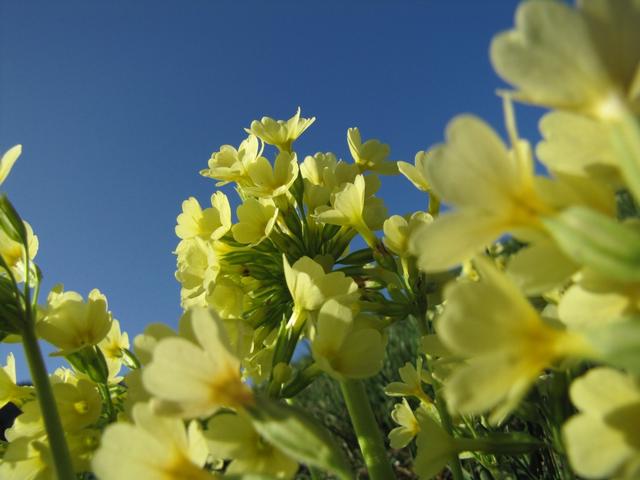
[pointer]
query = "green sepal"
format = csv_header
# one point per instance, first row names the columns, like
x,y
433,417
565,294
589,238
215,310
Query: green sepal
x,y
597,241
299,436
11,222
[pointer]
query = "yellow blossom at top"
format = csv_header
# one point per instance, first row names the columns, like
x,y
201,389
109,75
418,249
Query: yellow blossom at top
x,y
581,59
505,341
154,447
417,173
270,181
603,440
370,155
256,219
281,133
70,323
200,378
230,164
8,159
210,223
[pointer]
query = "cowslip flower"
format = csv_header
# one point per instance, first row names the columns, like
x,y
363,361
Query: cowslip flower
x,y
210,223
256,219
268,181
417,173
231,436
343,345
230,164
370,155
408,421
8,159
9,390
397,231
112,346
199,378
152,447
70,323
281,133
505,341
13,253
411,385
602,440
198,267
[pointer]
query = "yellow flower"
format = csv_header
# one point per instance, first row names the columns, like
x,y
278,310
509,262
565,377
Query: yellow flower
x,y
603,440
9,390
506,342
370,155
198,268
71,324
344,346
310,286
269,181
256,219
416,174
232,437
409,425
574,59
411,385
281,133
197,378
13,253
112,346
8,159
397,231
154,447
210,223
230,165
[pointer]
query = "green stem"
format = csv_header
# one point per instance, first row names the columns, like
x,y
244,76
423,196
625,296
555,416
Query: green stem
x,y
454,464
48,407
364,423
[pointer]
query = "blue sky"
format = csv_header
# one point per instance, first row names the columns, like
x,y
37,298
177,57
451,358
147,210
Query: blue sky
x,y
119,104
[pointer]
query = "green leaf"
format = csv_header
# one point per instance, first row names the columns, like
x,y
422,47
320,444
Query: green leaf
x,y
618,343
299,436
11,222
597,241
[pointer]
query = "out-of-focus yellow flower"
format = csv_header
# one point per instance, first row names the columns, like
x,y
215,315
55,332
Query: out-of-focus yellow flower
x,y
8,159
506,343
256,219
370,155
344,347
227,298
71,324
603,440
232,437
112,346
197,378
9,390
411,385
269,181
416,174
575,59
154,447
310,286
210,223
281,133
230,165
397,231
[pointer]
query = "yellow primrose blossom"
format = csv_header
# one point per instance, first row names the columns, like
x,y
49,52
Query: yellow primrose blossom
x,y
310,286
348,209
408,421
574,59
227,298
269,181
411,385
210,223
13,252
112,346
370,155
79,406
70,323
256,219
230,164
344,347
232,437
506,343
492,188
198,378
8,159
417,173
281,133
9,390
198,268
154,447
397,231
603,440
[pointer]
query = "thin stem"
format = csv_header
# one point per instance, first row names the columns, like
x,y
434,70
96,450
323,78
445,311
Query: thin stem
x,y
48,407
364,423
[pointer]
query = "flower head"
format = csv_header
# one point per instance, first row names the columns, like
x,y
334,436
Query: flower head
x,y
281,133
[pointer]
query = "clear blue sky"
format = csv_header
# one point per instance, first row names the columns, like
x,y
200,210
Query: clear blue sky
x,y
119,104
